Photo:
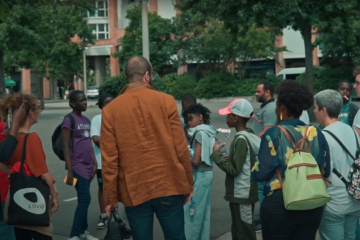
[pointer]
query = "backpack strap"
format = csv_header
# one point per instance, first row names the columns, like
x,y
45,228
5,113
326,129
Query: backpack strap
x,y
334,170
301,142
23,156
72,122
342,145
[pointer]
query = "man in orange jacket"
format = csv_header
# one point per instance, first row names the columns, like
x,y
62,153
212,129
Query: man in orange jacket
x,y
145,158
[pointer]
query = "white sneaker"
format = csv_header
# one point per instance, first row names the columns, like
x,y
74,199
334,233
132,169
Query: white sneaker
x,y
74,238
86,235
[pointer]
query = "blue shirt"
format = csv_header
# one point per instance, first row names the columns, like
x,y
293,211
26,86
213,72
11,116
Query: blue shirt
x,y
276,150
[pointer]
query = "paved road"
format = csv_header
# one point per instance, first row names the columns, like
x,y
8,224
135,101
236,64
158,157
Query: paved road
x,y
52,116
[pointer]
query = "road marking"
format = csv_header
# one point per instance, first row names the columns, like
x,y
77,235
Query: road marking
x,y
70,199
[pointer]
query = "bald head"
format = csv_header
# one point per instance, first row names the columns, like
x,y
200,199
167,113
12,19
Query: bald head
x,y
136,68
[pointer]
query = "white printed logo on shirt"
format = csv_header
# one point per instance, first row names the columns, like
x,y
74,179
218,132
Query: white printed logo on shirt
x,y
86,134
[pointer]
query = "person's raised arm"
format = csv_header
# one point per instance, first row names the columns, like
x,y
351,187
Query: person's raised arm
x,y
7,147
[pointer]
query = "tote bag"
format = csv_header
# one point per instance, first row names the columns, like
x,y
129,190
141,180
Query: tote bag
x,y
29,198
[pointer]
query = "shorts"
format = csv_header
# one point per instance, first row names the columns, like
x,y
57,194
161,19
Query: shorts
x,y
100,179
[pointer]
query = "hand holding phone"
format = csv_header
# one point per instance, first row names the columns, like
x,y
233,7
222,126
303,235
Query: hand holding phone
x,y
73,182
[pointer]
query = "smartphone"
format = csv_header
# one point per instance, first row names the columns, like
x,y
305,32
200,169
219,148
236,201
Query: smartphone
x,y
74,181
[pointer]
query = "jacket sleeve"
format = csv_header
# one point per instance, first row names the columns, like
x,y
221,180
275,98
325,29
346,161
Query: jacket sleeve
x,y
7,148
178,137
268,160
235,165
109,158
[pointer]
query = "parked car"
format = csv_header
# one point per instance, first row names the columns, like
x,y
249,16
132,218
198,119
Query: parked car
x,y
92,92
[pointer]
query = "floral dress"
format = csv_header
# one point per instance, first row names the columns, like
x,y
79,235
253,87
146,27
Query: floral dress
x,y
276,149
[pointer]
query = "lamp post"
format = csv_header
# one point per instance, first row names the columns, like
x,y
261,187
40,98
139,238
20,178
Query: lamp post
x,y
84,74
145,30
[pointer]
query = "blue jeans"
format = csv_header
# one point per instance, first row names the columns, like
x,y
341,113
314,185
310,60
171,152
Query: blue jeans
x,y
338,226
6,231
198,225
168,210
80,223
261,186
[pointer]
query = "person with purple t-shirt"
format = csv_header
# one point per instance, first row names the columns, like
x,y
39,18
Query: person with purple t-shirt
x,y
80,162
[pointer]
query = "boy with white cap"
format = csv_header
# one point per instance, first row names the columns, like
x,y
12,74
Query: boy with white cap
x,y
241,189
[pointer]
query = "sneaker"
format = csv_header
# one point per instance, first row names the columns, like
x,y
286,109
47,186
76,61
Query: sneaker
x,y
257,225
102,223
74,238
86,235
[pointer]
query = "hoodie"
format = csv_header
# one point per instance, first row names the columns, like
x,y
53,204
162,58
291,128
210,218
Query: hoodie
x,y
239,183
208,136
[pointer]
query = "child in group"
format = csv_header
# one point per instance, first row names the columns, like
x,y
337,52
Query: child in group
x,y
80,162
241,189
197,210
104,100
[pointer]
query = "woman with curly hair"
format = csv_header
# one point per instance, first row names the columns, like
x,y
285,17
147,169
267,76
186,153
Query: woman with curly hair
x,y
197,211
275,151
35,158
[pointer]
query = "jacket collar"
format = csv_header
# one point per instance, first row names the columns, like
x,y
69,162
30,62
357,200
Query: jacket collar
x,y
135,85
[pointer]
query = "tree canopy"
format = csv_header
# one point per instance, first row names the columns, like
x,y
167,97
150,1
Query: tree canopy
x,y
302,15
38,34
160,45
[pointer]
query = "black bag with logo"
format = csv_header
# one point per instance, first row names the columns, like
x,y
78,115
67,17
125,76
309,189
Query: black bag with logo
x,y
117,229
29,198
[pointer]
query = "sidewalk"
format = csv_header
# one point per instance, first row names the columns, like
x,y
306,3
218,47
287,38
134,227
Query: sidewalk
x,y
64,104
227,236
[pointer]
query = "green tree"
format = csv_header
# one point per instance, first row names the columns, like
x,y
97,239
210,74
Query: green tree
x,y
300,15
160,31
38,34
204,39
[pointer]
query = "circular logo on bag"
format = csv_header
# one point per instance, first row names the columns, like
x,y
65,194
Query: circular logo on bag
x,y
38,207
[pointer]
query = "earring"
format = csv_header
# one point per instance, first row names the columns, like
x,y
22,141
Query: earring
x,y
281,116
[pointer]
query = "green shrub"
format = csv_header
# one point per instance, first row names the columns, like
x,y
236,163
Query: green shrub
x,y
218,85
328,78
165,84
113,85
182,85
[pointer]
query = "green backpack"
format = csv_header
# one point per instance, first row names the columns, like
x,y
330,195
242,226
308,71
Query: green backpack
x,y
303,187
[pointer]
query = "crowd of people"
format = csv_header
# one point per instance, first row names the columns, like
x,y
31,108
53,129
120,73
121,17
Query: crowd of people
x,y
154,160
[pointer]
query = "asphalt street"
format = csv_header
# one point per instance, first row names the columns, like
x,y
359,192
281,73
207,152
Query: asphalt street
x,y
53,115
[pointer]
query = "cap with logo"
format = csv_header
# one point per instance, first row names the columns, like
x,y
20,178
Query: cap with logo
x,y
240,107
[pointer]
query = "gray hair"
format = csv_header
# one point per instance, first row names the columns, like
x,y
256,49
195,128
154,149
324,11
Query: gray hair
x,y
331,100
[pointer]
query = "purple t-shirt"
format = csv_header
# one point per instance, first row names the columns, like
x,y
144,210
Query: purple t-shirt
x,y
81,152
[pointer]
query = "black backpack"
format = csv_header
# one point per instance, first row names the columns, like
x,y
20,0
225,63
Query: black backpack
x,y
57,138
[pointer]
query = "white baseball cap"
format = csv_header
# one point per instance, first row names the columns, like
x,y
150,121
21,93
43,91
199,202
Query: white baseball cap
x,y
240,107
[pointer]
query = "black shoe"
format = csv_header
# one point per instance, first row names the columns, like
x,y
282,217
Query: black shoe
x,y
102,223
257,225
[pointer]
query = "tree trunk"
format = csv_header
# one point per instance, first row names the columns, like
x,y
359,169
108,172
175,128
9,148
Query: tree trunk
x,y
306,32
2,74
309,75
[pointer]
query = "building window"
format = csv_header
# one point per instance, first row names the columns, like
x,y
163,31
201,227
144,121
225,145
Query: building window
x,y
101,9
100,31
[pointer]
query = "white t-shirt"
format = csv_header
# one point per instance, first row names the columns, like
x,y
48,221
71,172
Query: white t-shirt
x,y
305,117
95,131
342,202
357,120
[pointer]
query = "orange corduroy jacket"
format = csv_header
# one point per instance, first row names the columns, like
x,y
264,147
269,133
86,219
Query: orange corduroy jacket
x,y
143,147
